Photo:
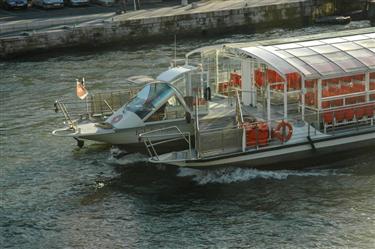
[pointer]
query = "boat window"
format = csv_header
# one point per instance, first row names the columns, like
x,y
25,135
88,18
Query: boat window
x,y
150,97
172,109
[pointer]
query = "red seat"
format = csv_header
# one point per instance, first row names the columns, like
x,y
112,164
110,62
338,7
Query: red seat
x,y
349,114
369,111
359,112
339,115
328,117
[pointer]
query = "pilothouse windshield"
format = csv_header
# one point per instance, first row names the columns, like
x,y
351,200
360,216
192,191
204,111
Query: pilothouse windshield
x,y
149,98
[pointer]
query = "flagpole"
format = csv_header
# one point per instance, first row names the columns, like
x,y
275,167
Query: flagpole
x,y
87,102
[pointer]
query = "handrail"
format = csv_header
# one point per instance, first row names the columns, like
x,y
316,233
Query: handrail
x,y
343,107
221,129
99,104
146,136
62,107
238,102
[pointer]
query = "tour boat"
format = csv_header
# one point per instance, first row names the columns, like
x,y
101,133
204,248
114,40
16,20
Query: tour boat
x,y
309,99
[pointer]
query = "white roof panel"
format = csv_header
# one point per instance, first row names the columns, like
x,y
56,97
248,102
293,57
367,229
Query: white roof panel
x,y
270,58
173,73
347,46
320,58
324,49
356,38
370,43
365,56
333,40
301,52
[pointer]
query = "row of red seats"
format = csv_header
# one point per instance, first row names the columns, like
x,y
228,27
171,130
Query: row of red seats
x,y
348,114
346,79
310,98
293,79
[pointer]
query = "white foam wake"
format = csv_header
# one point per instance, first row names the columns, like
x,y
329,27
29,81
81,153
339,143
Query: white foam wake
x,y
231,175
122,157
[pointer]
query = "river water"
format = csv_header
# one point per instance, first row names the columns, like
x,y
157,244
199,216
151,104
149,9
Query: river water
x,y
54,195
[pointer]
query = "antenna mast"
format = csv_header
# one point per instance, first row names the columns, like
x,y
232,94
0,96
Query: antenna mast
x,y
175,50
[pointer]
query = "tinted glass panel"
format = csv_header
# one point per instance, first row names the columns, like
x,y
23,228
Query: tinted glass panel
x,y
321,64
325,49
301,52
365,56
148,98
345,61
302,67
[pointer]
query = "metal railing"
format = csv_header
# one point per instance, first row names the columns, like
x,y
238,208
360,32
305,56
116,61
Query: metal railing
x,y
239,114
257,135
97,106
218,141
161,136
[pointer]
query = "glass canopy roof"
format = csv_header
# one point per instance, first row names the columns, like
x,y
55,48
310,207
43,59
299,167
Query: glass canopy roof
x,y
320,58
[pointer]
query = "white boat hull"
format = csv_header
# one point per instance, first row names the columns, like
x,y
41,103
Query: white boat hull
x,y
130,136
288,156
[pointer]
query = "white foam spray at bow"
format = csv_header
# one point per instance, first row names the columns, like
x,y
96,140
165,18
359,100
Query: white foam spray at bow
x,y
231,175
122,157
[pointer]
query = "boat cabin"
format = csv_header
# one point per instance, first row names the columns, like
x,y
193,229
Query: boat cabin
x,y
311,94
329,82
157,101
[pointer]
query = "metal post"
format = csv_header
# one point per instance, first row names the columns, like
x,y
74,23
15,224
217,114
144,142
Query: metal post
x,y
196,130
303,91
269,110
319,86
254,89
285,100
243,139
217,70
367,86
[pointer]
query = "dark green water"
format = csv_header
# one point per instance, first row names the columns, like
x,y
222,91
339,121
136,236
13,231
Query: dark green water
x,y
56,196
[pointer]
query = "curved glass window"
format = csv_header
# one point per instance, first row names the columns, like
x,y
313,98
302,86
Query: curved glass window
x,y
150,97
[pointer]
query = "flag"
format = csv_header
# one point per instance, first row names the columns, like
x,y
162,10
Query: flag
x,y
81,89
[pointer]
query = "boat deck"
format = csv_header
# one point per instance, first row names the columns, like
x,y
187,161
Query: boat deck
x,y
222,114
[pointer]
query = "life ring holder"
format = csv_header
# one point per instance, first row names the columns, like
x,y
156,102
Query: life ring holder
x,y
282,126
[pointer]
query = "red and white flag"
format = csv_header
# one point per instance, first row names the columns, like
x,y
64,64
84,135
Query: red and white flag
x,y
81,89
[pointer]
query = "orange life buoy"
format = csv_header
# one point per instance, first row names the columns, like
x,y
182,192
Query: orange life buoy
x,y
283,131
